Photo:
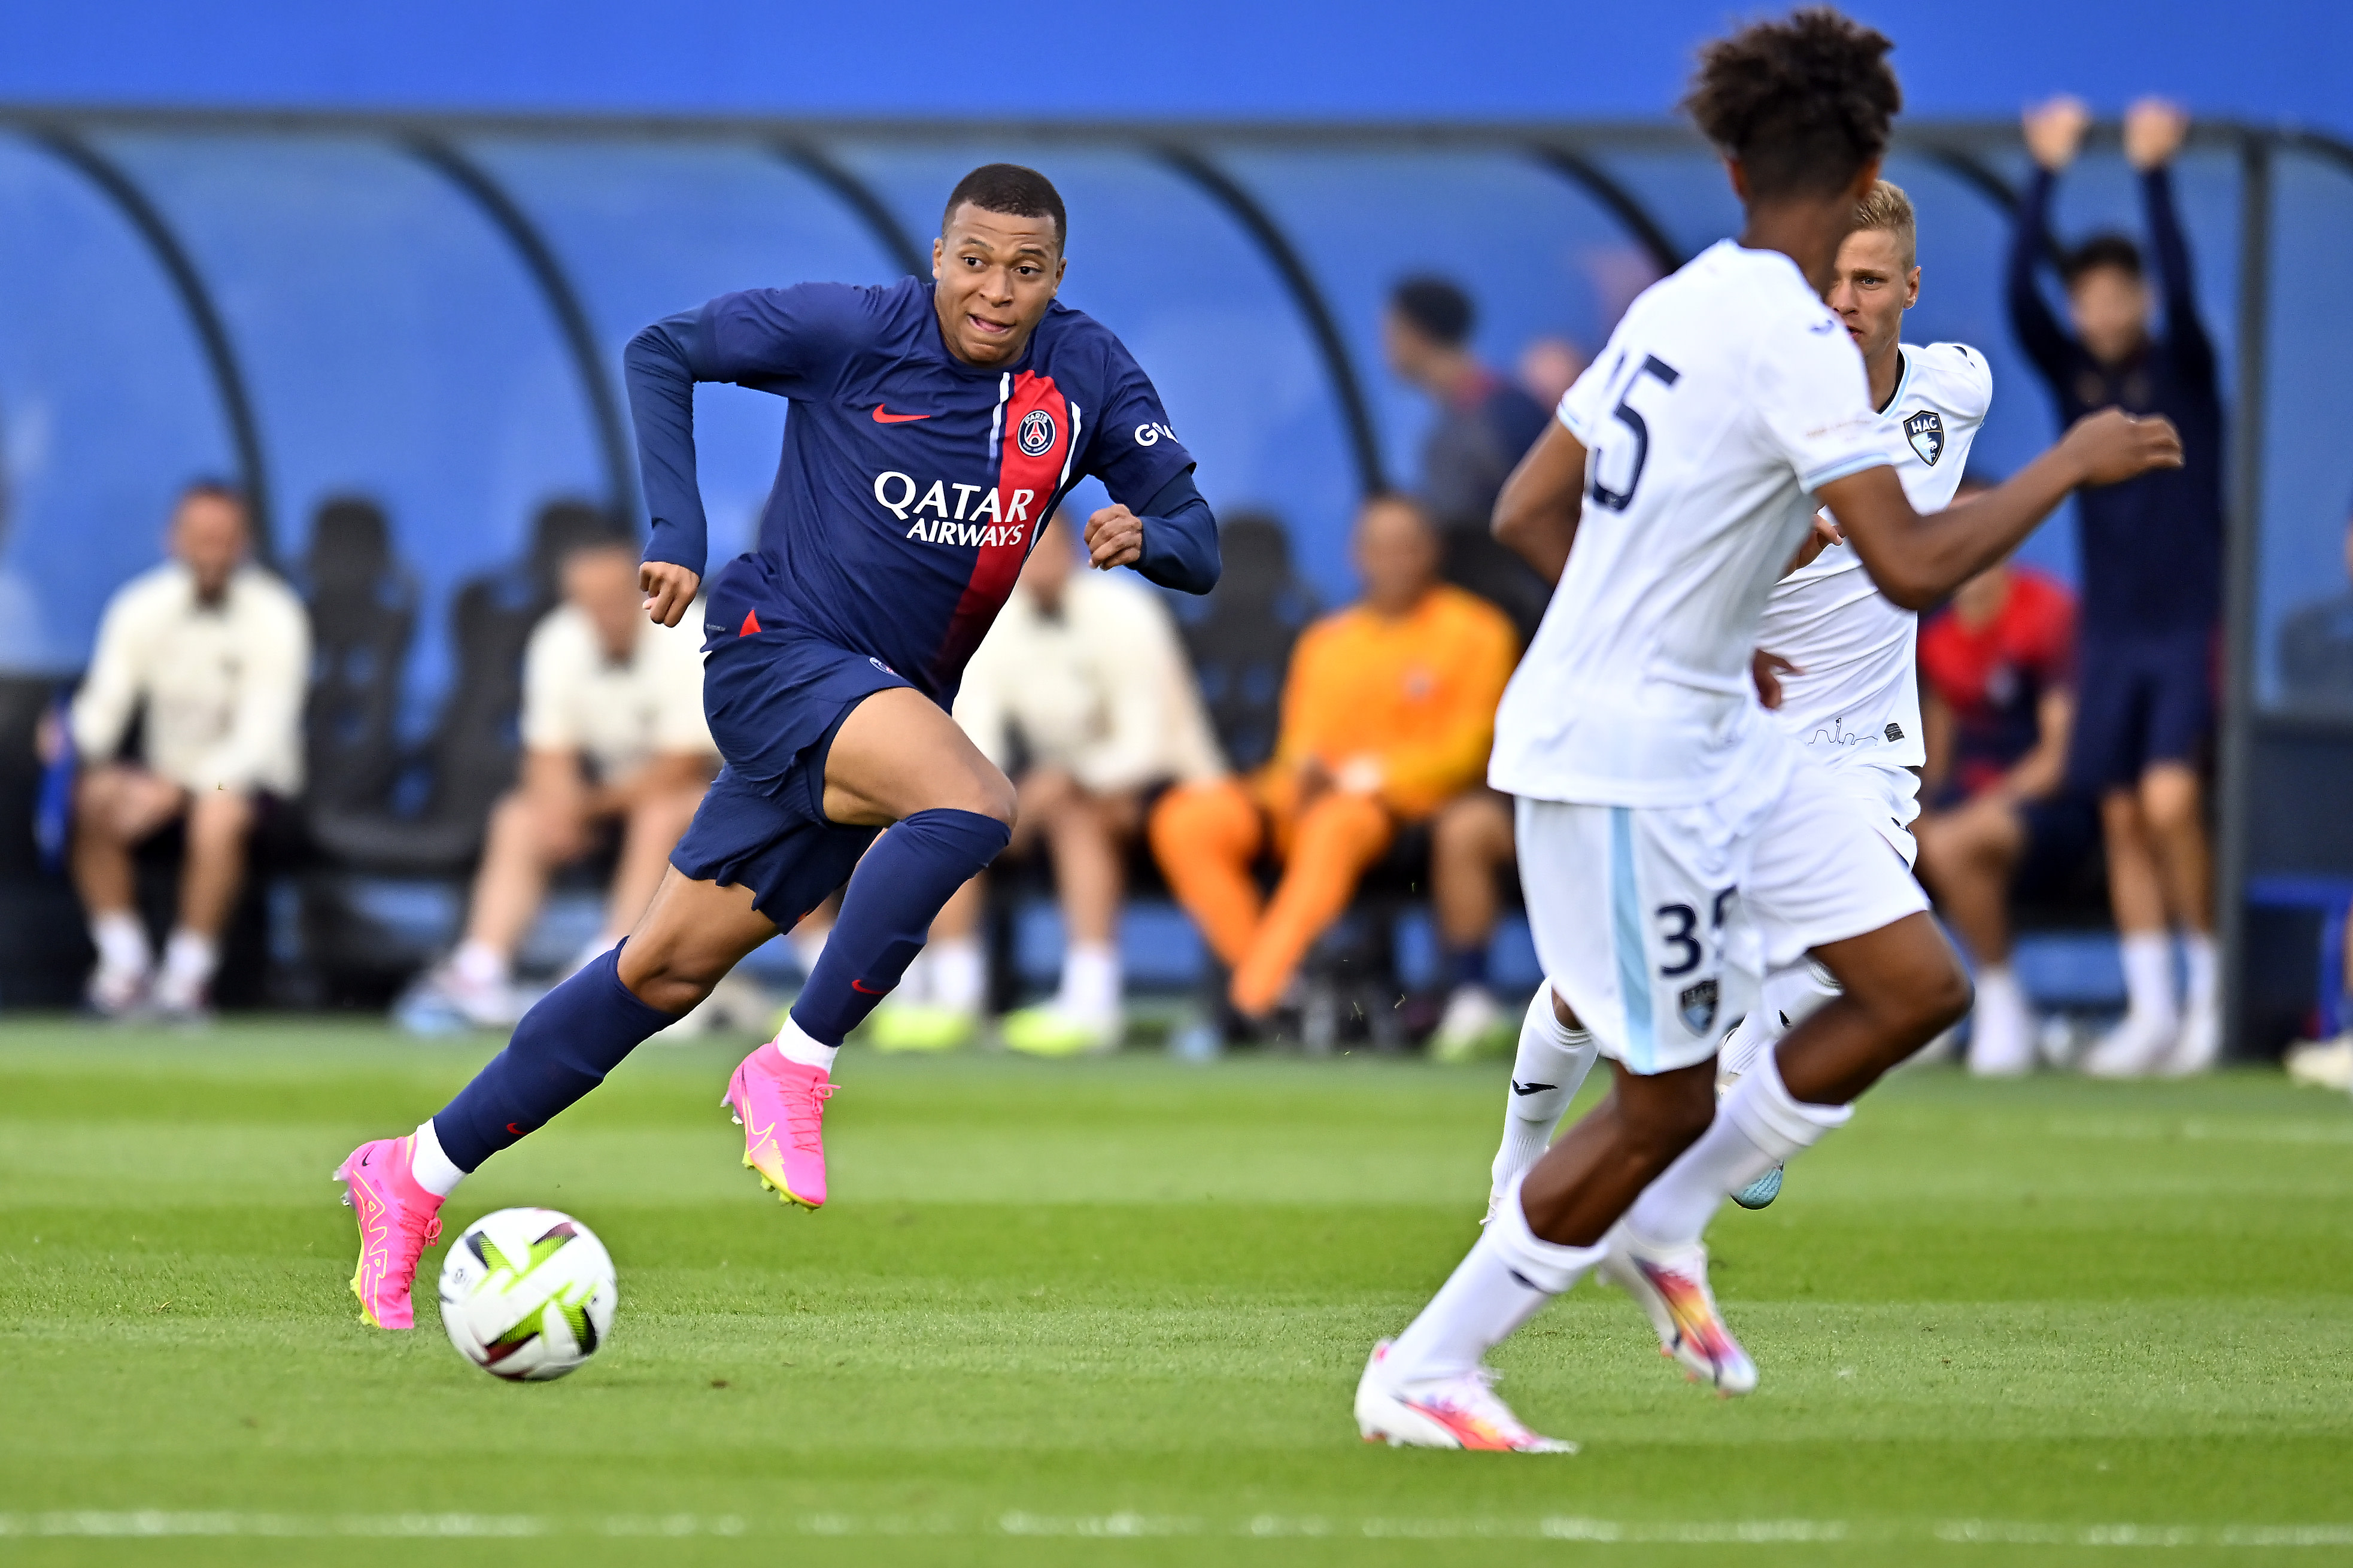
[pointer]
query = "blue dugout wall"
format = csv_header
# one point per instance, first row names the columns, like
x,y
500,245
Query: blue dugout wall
x,y
429,311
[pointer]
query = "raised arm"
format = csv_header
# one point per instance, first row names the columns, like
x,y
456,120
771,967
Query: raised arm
x,y
1537,510
1917,560
2153,132
2054,131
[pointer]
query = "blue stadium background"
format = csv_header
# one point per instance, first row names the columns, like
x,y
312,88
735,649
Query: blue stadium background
x,y
418,240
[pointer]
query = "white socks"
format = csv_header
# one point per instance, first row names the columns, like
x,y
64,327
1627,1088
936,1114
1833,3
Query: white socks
x,y
479,965
1091,981
1546,1072
1509,1274
958,972
2149,976
431,1166
189,960
1789,998
795,1045
122,943
2199,968
1757,1126
2002,1026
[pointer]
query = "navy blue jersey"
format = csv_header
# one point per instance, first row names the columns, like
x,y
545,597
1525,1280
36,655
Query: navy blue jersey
x,y
2152,546
912,485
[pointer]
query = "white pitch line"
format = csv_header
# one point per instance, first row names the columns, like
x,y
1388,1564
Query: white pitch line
x,y
169,1524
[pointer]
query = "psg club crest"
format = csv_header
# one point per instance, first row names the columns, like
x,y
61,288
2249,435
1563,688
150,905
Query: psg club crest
x,y
1036,434
1925,431
1697,1005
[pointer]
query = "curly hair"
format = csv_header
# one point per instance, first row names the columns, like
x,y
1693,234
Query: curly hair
x,y
1802,103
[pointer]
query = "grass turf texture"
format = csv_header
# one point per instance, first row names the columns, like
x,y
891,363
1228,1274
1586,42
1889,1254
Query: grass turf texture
x,y
1112,1311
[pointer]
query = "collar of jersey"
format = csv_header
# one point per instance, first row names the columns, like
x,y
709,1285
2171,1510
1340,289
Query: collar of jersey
x,y
1903,382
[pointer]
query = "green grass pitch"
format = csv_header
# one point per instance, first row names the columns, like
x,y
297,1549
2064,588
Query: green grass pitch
x,y
1112,1312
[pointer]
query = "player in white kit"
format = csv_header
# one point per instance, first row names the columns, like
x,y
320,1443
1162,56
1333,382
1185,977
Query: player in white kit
x,y
1847,683
1661,809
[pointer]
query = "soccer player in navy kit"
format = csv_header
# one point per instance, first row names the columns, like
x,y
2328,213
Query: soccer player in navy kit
x,y
935,428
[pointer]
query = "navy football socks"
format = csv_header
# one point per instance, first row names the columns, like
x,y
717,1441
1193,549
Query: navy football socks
x,y
895,893
563,1048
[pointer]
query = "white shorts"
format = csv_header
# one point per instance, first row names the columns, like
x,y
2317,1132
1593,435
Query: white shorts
x,y
1888,797
1645,916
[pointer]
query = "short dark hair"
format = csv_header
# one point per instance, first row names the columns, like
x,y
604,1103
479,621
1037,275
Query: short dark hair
x,y
211,489
1012,190
1803,103
2110,250
1438,309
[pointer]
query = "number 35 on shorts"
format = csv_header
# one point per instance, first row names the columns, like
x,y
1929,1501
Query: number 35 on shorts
x,y
1687,952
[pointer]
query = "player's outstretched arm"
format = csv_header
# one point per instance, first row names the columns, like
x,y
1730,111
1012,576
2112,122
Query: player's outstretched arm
x,y
1537,513
659,371
1917,560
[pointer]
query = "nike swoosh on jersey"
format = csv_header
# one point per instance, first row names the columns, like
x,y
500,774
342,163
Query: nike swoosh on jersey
x,y
885,416
1519,1088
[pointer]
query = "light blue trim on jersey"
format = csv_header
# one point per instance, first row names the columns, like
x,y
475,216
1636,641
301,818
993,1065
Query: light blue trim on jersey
x,y
1641,1045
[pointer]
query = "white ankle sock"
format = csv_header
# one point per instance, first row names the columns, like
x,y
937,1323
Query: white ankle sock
x,y
1757,1127
431,1166
1550,1065
2198,967
958,974
480,964
1508,1275
793,1042
1091,980
122,943
2148,975
190,958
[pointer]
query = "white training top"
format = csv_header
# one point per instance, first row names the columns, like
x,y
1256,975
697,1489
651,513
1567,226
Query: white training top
x,y
618,714
1858,696
222,682
1727,393
1102,687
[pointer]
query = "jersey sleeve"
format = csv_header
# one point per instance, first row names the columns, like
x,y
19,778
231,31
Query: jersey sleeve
x,y
1585,403
1813,401
1969,380
1134,452
783,341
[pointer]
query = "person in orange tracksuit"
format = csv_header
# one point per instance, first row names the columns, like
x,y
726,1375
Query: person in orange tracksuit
x,y
1387,714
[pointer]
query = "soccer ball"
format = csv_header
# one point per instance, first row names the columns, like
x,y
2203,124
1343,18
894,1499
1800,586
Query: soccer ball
x,y
528,1294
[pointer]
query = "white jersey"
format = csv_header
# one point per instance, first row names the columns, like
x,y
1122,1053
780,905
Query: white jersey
x,y
1726,395
1857,697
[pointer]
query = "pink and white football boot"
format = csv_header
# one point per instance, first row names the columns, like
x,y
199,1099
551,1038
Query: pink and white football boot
x,y
1669,1284
781,1105
1459,1412
397,1219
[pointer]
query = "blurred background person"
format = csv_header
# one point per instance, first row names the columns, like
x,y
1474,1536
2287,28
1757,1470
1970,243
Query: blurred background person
x,y
1082,694
1389,710
1548,367
1995,709
208,656
2315,646
615,752
2152,565
1485,424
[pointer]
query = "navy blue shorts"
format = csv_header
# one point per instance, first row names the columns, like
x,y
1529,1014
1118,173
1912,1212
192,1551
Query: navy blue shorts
x,y
775,704
2139,700
2061,831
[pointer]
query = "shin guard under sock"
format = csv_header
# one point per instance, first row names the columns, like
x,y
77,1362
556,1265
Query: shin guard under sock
x,y
563,1048
898,889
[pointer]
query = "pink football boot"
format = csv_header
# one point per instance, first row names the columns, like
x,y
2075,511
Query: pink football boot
x,y
781,1105
398,1220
